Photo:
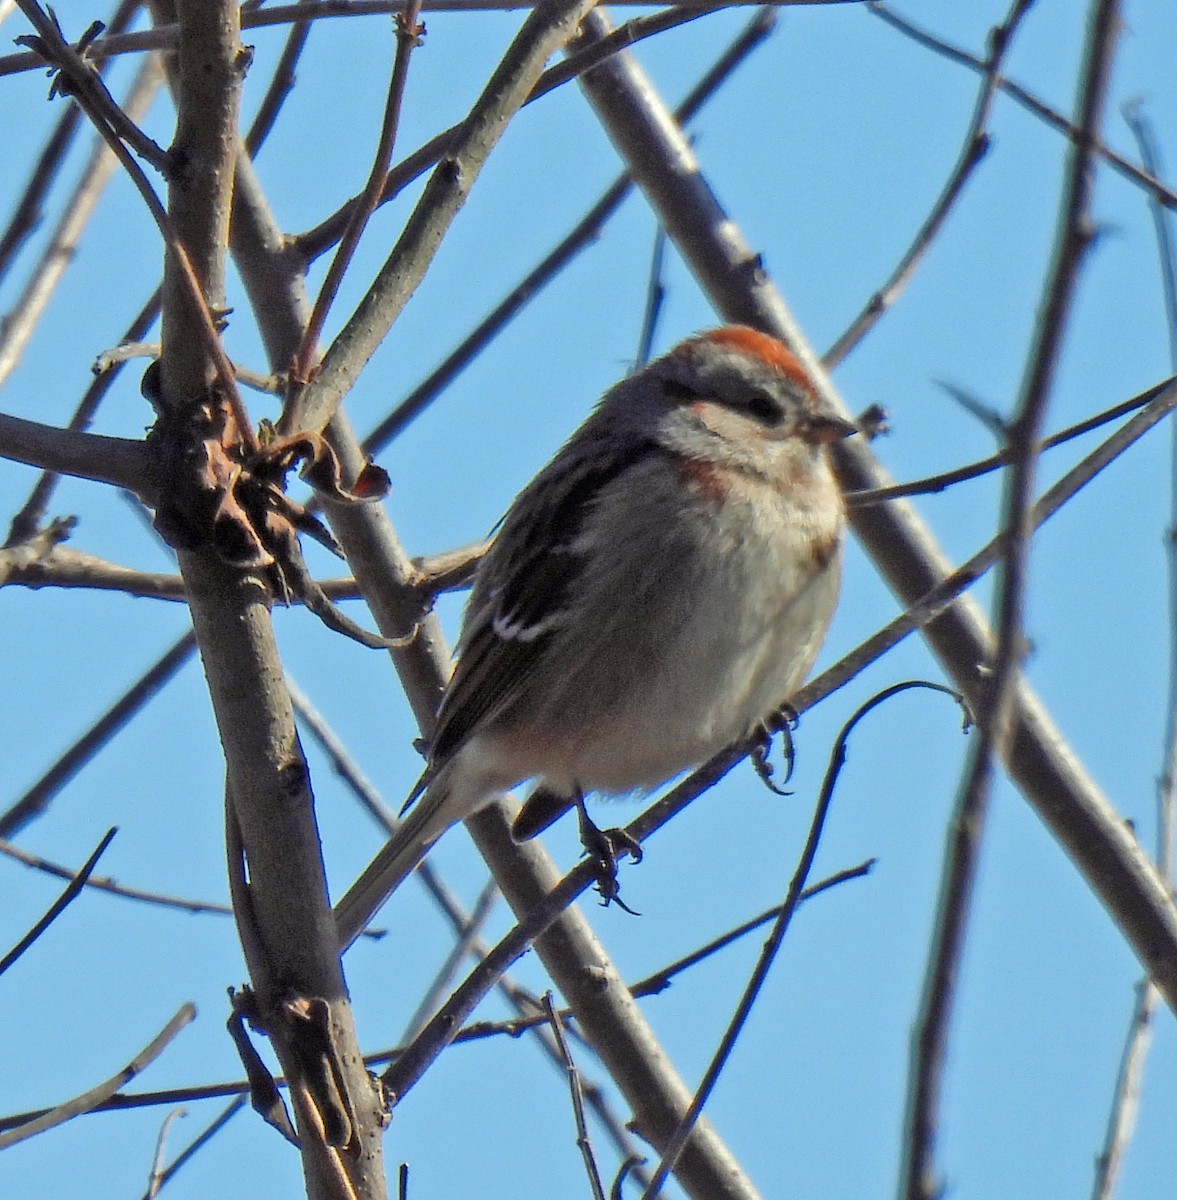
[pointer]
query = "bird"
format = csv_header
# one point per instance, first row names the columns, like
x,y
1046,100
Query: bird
x,y
658,590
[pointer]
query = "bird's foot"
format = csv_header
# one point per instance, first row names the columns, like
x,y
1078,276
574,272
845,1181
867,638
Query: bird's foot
x,y
604,847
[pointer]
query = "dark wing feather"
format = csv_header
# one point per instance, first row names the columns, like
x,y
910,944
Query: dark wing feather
x,y
524,592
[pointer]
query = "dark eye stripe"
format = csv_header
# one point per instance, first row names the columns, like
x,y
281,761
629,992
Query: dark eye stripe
x,y
758,405
764,409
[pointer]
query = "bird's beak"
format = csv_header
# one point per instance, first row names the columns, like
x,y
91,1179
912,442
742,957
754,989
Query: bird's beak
x,y
822,428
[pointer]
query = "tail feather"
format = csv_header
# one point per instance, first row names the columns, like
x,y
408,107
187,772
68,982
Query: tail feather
x,y
421,826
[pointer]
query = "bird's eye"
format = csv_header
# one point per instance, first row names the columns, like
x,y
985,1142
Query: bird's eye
x,y
763,408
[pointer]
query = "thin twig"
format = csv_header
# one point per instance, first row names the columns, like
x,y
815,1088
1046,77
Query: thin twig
x,y
1163,401
201,1140
85,85
408,36
678,1140
61,248
96,1095
1157,188
976,146
165,37
548,27
583,1141
582,235
33,513
257,380
324,235
280,85
1138,1040
155,1177
103,112
469,938
59,905
661,979
37,799
655,296
26,213
919,1178
937,483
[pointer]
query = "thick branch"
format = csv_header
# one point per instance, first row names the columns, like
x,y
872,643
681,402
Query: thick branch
x,y
123,462
283,912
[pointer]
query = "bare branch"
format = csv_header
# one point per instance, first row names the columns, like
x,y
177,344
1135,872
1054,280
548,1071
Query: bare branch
x,y
26,213
545,31
408,36
120,461
96,1095
976,146
582,235
918,1178
37,799
676,1143
583,1141
1142,178
59,905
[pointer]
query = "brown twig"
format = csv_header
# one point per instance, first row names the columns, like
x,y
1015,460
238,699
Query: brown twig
x,y
71,893
772,945
931,484
937,601
919,1177
583,1141
324,235
96,1095
279,88
582,235
976,146
475,1031
26,213
1142,178
409,32
661,979
548,27
27,565
85,84
115,129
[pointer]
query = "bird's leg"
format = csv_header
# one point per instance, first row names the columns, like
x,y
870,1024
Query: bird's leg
x,y
783,721
603,847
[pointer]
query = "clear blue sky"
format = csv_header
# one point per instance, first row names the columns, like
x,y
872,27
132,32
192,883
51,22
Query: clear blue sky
x,y
828,149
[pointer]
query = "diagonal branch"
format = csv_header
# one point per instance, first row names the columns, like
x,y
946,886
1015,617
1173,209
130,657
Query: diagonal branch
x,y
548,27
899,542
96,1095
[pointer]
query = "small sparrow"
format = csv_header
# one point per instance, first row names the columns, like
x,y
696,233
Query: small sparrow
x,y
654,594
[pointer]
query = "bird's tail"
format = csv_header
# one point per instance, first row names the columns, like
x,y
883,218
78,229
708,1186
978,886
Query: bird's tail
x,y
421,826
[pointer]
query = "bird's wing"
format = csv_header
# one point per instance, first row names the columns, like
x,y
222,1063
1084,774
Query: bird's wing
x,y
526,591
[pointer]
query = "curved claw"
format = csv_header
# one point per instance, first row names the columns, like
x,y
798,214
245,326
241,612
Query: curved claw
x,y
604,847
